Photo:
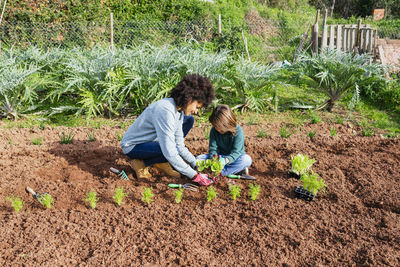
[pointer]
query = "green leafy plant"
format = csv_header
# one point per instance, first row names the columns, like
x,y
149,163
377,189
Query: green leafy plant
x,y
16,203
315,118
119,136
212,167
339,120
147,195
37,141
252,120
10,142
42,125
46,200
337,73
313,183
333,131
311,134
261,133
119,195
234,191
92,199
255,190
179,195
91,136
67,138
286,131
301,164
206,133
368,131
211,193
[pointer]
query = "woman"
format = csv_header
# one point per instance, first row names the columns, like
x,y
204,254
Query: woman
x,y
156,138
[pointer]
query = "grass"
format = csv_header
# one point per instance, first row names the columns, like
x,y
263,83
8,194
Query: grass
x,y
37,141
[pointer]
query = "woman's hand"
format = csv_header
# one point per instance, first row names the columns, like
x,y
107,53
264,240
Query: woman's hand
x,y
202,179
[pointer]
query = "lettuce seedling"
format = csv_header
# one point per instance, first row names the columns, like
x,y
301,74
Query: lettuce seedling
x,y
313,183
179,195
16,203
212,167
147,195
255,190
234,191
92,199
119,195
211,193
301,164
46,200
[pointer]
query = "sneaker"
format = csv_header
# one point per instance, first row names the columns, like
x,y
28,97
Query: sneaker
x,y
140,169
167,169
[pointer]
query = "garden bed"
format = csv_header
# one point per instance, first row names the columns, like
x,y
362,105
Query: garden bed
x,y
355,223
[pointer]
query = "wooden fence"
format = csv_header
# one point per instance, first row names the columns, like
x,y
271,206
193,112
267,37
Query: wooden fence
x,y
350,38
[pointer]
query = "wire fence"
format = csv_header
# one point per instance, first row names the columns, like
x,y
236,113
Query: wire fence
x,y
88,34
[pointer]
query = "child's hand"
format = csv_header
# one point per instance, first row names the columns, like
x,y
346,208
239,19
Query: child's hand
x,y
223,161
202,179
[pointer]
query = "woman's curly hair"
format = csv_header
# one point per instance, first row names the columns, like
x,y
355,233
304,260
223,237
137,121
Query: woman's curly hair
x,y
193,87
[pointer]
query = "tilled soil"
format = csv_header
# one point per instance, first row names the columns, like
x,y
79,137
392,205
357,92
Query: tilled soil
x,y
355,223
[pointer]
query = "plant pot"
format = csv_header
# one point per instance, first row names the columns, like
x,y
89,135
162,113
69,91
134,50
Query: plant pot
x,y
293,175
304,194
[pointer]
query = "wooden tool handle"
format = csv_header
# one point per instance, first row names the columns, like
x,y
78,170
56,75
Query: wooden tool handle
x,y
30,190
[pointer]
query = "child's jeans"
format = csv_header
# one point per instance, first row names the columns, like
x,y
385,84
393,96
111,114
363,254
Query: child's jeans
x,y
242,162
151,153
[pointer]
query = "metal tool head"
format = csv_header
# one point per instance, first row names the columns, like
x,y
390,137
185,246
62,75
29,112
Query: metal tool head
x,y
189,186
121,174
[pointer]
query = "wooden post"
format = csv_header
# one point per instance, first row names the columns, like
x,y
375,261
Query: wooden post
x,y
245,46
112,31
219,24
357,44
332,37
339,37
332,7
370,40
315,35
324,31
2,12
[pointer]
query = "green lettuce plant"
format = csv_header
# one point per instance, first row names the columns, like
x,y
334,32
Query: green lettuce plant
x,y
301,164
179,195
92,199
234,191
147,195
212,167
16,203
255,190
119,195
313,183
46,200
211,193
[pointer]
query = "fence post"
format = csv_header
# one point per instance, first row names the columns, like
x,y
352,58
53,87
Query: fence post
x,y
357,45
324,31
112,31
332,37
314,35
339,37
219,24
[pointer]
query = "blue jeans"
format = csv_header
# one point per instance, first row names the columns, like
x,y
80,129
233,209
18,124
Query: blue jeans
x,y
242,162
151,153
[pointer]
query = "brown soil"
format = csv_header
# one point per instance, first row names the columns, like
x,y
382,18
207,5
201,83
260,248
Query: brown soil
x,y
355,223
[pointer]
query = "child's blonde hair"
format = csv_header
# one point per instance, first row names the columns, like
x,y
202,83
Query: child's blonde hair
x,y
222,117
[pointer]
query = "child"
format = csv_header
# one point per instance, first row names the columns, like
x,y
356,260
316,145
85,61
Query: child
x,y
227,142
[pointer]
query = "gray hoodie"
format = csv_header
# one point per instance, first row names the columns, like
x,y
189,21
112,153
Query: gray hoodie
x,y
162,122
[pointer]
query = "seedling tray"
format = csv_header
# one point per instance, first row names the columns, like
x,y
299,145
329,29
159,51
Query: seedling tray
x,y
304,194
293,175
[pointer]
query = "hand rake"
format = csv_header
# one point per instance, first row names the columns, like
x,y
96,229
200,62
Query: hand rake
x,y
187,186
38,196
121,174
